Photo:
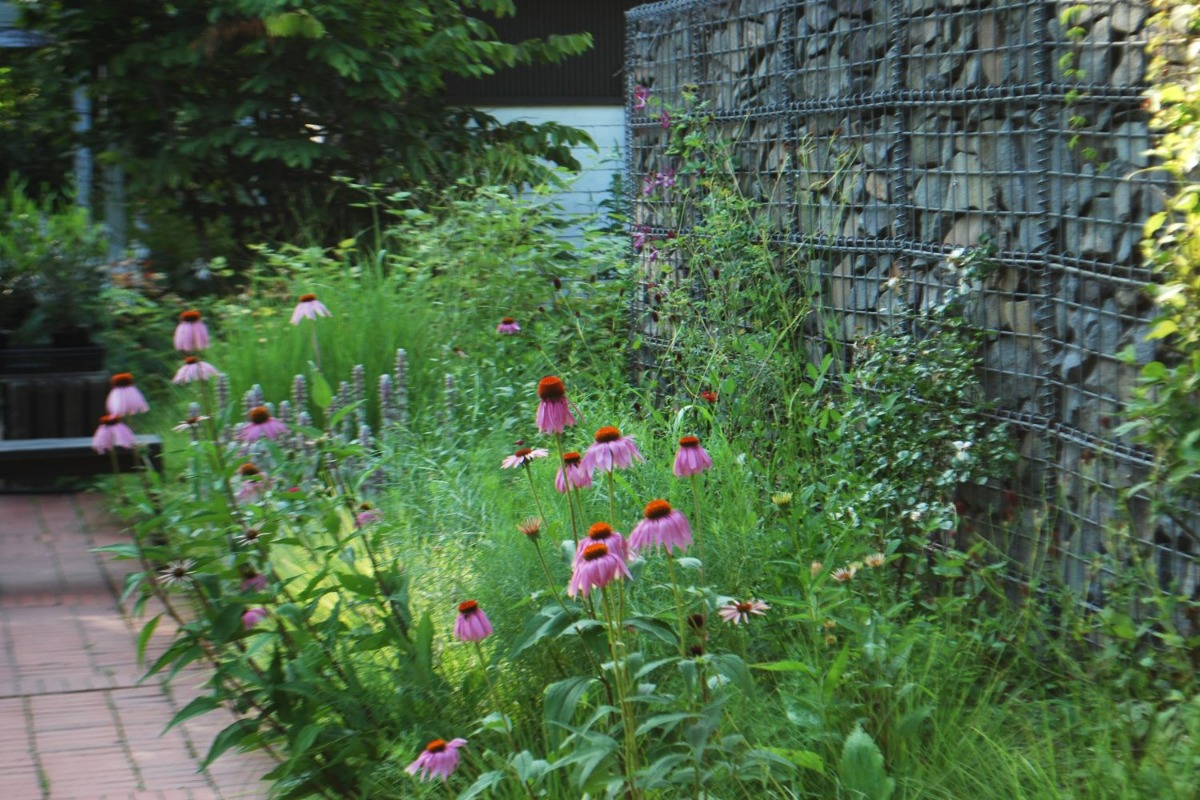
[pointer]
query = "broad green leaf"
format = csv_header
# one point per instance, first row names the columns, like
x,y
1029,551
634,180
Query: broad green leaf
x,y
144,638
562,698
861,769
784,666
198,706
805,759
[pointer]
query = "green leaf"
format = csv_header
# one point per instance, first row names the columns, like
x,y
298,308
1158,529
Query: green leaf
x,y
198,706
655,628
483,785
144,639
562,698
124,549
784,666
1163,328
549,622
861,769
322,395
362,585
805,759
231,736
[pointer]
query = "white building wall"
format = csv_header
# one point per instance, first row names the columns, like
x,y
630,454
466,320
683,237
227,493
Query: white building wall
x,y
606,126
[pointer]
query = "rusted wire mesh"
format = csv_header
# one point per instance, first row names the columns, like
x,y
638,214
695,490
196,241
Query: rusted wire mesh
x,y
880,136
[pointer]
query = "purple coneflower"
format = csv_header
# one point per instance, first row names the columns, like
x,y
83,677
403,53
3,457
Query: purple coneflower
x,y
194,369
661,525
439,759
508,326
309,307
367,514
595,568
472,624
523,457
554,412
124,398
190,334
738,612
531,528
665,121
254,583
603,532
691,458
254,481
843,574
253,616
261,424
611,451
112,432
190,424
576,471
176,572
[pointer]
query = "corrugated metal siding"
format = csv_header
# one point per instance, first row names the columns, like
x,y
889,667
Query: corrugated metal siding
x,y
594,77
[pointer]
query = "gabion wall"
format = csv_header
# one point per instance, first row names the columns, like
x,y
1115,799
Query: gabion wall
x,y
1016,119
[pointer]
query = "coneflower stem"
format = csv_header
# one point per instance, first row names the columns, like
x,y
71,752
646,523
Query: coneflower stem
x,y
696,523
487,678
574,525
550,580
678,604
316,345
612,499
116,468
612,627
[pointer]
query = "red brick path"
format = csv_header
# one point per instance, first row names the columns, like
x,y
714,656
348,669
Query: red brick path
x,y
74,722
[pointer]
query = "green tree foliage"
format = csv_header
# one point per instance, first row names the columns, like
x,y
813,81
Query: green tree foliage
x,y
246,109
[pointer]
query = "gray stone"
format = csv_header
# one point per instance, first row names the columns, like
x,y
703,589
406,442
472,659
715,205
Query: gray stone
x,y
1131,141
876,219
1017,315
966,230
1009,356
1128,17
820,16
1093,59
1131,69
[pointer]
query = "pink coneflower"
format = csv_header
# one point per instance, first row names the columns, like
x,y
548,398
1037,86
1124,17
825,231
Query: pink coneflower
x,y
190,424
176,572
691,458
190,334
738,612
472,624
261,424
194,369
665,121
439,759
508,326
611,451
523,457
709,397
254,583
254,481
252,617
576,471
554,412
640,94
603,532
367,514
661,525
112,432
596,567
309,307
124,398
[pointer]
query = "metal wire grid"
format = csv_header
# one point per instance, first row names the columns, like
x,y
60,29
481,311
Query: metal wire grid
x,y
884,134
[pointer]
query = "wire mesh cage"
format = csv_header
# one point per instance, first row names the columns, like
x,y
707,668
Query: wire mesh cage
x,y
881,138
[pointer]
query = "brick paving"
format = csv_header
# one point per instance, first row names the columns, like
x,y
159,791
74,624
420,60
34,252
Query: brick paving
x,y
75,724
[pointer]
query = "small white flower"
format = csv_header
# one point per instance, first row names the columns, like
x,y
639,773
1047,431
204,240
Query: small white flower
x,y
961,450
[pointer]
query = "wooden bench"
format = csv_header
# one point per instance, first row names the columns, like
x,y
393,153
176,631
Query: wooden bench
x,y
40,464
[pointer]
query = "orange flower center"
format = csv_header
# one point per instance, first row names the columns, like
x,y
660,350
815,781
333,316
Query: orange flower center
x,y
551,388
524,451
689,441
307,298
600,531
191,360
744,607
249,469
595,551
190,316
259,415
122,379
657,509
436,746
572,458
468,607
109,419
608,434
507,321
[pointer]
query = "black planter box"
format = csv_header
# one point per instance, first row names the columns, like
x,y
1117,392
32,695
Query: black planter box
x,y
39,360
